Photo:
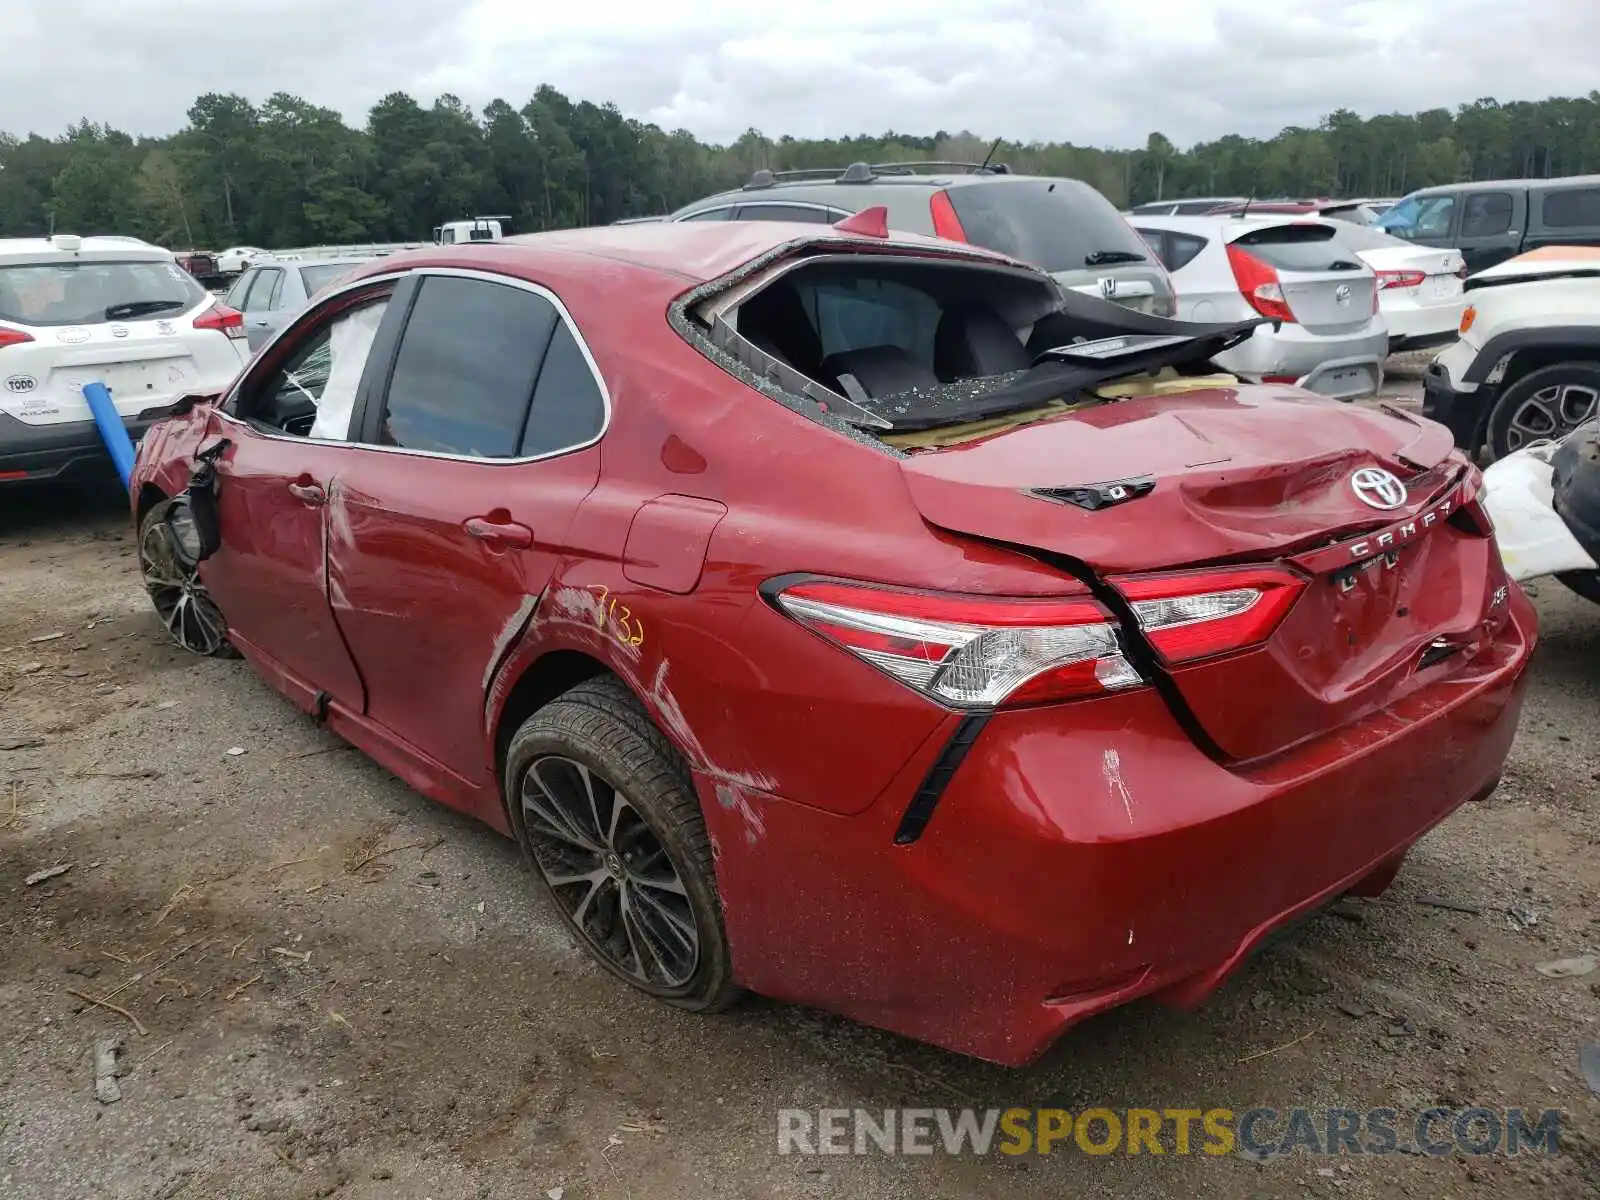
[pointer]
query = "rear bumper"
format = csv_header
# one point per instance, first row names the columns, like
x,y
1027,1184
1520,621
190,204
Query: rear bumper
x,y
1087,855
42,452
1464,413
1292,352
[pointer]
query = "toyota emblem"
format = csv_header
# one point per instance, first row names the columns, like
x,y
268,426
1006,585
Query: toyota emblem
x,y
1377,488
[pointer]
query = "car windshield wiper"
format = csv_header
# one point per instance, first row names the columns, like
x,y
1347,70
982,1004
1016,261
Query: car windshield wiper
x,y
142,308
1101,258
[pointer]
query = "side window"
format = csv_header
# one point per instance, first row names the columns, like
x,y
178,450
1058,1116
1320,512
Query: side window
x,y
1571,208
568,408
1486,214
313,393
236,294
711,214
465,371
784,212
263,290
1182,249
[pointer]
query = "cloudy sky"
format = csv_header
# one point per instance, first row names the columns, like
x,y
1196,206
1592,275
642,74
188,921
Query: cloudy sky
x,y
1099,72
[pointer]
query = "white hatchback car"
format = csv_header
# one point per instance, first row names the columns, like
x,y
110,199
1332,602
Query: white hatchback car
x,y
114,310
1331,338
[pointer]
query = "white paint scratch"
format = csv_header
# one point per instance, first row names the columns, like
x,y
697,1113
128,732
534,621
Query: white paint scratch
x,y
507,632
1112,769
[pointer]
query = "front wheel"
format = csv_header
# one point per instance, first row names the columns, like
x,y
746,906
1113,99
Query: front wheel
x,y
605,811
192,618
1544,405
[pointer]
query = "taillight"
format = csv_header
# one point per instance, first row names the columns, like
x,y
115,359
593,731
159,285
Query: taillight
x,y
1198,614
970,651
219,316
980,652
1400,279
945,222
1258,283
13,337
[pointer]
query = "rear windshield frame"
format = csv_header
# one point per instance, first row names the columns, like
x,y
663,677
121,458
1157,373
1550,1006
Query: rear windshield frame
x,y
1052,223
1295,247
184,288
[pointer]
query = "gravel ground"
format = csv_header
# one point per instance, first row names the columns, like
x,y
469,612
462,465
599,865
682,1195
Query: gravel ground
x,y
349,991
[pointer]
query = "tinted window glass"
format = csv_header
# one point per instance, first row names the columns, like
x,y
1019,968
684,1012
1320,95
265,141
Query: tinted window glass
x,y
567,408
465,371
1300,248
1486,214
1420,216
88,292
1572,209
1181,249
711,214
1054,223
263,291
236,294
783,212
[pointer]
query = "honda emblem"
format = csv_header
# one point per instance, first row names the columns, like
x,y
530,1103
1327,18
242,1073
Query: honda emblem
x,y
1108,287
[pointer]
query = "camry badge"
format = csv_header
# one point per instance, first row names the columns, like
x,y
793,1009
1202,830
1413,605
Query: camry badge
x,y
1377,488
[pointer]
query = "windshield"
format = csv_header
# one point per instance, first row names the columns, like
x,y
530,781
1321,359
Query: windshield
x,y
1058,224
90,292
323,274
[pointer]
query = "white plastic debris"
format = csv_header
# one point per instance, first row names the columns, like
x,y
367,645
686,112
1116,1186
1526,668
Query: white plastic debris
x,y
106,1070
556,1193
45,637
1568,968
47,873
235,751
1534,541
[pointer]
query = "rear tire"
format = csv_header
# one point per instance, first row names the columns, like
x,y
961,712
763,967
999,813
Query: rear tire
x,y
603,807
191,616
1585,583
1546,404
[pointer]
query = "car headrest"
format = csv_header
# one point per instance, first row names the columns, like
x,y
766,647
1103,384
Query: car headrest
x,y
877,370
973,340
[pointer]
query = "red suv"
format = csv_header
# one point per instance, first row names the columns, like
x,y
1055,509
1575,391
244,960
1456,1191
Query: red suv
x,y
855,618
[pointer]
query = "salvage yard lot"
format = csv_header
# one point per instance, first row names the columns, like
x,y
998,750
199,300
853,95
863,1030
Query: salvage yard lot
x,y
350,991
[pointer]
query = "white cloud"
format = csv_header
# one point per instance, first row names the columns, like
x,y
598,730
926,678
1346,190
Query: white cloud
x,y
1097,72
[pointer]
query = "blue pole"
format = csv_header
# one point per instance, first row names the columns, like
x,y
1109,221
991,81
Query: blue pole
x,y
112,430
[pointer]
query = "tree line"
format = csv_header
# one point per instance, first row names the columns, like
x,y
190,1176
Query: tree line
x,y
289,172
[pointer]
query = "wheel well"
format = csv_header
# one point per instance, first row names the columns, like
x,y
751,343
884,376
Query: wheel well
x,y
149,496
544,679
1525,362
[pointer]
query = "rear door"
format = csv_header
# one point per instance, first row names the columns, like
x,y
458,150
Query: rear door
x,y
1070,230
449,520
261,303
128,323
1328,288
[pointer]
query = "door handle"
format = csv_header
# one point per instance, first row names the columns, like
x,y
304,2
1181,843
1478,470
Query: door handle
x,y
310,493
502,533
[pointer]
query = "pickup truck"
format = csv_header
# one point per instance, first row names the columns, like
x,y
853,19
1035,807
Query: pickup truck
x,y
1494,220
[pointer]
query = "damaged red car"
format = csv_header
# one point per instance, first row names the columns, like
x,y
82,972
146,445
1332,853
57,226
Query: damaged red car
x,y
856,619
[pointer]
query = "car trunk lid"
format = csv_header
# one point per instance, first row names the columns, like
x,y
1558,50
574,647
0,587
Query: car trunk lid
x,y
1325,285
1248,476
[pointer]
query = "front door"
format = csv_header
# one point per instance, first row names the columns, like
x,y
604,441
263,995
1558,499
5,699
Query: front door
x,y
448,524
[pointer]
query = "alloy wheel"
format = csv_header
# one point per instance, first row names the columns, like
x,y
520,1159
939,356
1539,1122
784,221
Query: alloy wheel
x,y
1551,412
610,872
181,600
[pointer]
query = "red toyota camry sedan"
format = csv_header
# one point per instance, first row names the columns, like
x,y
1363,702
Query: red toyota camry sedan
x,y
857,619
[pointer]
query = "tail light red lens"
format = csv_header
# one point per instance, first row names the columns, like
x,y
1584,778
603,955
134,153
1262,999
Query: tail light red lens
x,y
1258,283
945,222
1200,614
223,319
13,337
984,652
1400,279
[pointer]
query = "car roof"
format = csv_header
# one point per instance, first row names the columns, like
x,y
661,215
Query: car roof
x,y
692,251
1226,223
42,249
953,175
1502,185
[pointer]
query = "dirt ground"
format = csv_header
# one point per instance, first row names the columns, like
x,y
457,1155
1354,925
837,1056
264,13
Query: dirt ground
x,y
348,991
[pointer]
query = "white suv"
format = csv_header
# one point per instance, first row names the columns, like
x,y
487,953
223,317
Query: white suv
x,y
108,309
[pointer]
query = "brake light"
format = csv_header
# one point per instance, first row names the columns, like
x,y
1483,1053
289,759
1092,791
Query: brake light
x,y
13,337
1400,279
970,651
225,320
945,222
1199,614
1258,283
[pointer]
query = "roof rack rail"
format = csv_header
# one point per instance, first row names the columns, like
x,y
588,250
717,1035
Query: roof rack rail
x,y
861,172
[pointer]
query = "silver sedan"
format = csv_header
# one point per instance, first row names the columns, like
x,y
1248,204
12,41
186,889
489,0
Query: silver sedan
x,y
270,293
